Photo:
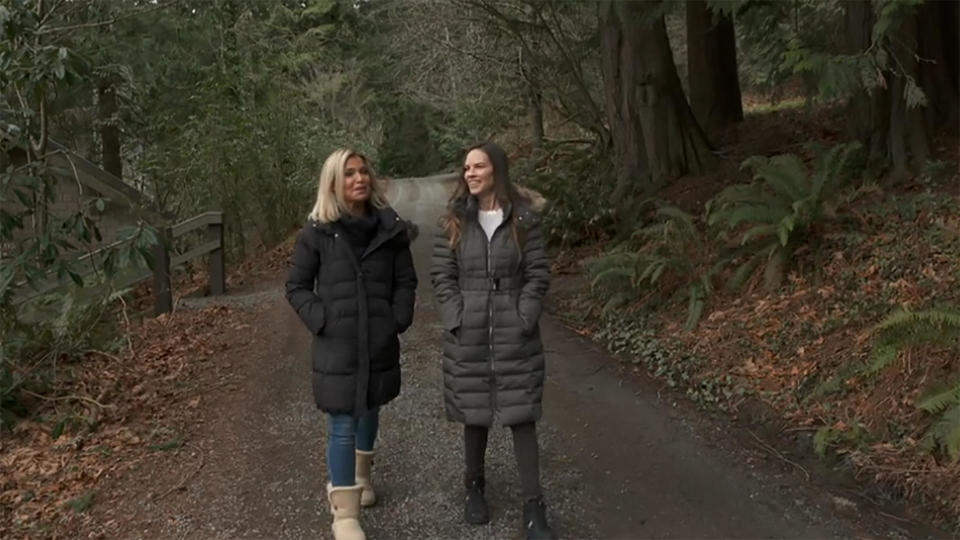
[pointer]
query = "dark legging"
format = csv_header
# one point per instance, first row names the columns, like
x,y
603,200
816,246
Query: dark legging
x,y
524,446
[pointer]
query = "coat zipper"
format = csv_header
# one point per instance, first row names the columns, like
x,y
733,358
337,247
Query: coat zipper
x,y
490,311
363,315
493,367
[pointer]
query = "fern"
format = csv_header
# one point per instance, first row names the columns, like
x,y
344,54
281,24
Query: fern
x,y
908,328
946,432
670,246
941,396
933,327
613,268
781,208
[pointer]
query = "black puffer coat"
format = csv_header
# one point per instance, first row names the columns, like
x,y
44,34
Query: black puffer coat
x,y
355,309
491,295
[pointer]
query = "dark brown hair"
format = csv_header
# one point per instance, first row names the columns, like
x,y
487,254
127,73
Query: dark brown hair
x,y
504,190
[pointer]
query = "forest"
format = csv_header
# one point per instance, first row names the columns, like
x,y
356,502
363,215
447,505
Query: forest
x,y
764,193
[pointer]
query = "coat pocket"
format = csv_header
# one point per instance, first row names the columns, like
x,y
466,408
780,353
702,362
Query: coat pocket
x,y
315,316
526,326
530,317
451,313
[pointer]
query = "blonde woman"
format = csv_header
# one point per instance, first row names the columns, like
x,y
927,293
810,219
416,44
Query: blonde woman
x,y
352,282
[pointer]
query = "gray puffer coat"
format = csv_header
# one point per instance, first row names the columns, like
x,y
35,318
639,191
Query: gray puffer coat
x,y
491,295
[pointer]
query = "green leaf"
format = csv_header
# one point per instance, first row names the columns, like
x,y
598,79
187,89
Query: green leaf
x,y
619,299
75,277
82,503
823,439
58,429
940,397
652,265
743,273
883,356
171,444
947,432
612,274
785,174
695,307
657,273
758,231
784,230
7,272
753,214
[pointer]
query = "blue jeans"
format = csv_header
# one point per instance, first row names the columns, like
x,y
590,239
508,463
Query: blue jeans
x,y
345,434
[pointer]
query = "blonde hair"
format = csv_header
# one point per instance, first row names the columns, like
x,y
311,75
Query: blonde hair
x,y
330,203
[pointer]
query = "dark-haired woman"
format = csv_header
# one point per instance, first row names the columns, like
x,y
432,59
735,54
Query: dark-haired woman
x,y
490,274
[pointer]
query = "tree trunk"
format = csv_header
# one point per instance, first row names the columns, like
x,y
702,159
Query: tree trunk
x,y
908,128
950,26
897,135
109,129
712,67
868,113
938,43
534,95
656,137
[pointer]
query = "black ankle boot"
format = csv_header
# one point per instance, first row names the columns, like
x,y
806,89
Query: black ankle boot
x,y
475,509
535,520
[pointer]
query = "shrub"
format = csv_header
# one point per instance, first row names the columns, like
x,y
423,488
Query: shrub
x,y
786,207
939,327
577,185
667,254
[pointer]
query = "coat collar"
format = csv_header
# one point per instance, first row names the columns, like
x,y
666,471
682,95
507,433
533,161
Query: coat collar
x,y
526,213
389,226
387,222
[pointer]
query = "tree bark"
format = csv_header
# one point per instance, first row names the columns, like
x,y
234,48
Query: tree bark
x,y
534,95
896,134
656,137
712,67
868,112
111,158
950,26
909,144
938,40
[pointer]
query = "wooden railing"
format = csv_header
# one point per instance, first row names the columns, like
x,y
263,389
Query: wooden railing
x,y
212,244
92,263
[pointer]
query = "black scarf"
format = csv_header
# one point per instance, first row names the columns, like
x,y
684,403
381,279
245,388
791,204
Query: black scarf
x,y
360,230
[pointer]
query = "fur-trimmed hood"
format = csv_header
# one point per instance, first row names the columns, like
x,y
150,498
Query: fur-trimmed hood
x,y
538,203
534,203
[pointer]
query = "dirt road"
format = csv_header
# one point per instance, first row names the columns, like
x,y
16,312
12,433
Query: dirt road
x,y
618,461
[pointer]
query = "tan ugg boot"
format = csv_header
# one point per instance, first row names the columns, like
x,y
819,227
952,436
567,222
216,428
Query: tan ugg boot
x,y
345,508
364,464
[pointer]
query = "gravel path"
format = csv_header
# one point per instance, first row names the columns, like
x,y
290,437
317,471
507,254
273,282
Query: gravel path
x,y
618,462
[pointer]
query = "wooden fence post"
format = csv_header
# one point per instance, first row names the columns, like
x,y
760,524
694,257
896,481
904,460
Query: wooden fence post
x,y
162,289
217,270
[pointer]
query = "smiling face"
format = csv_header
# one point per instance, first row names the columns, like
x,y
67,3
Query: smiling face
x,y
356,181
478,173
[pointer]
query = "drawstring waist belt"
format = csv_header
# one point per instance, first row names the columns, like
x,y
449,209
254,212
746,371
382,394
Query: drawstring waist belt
x,y
490,284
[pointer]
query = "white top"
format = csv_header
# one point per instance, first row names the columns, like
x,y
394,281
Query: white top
x,y
490,220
